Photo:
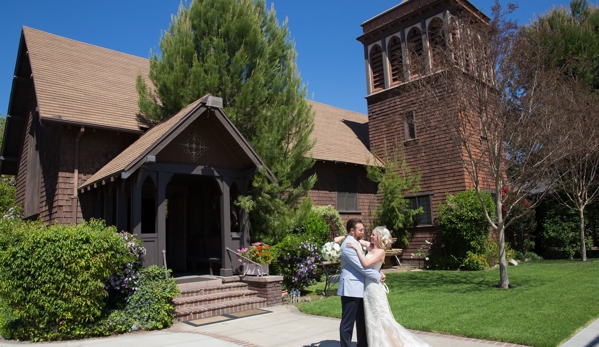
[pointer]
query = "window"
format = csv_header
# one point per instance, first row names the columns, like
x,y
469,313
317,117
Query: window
x,y
376,65
437,43
409,126
425,218
416,52
347,193
396,60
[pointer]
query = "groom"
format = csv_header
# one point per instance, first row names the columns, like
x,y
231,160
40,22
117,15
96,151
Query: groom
x,y
351,286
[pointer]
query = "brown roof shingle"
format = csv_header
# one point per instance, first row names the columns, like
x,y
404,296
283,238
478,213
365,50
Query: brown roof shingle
x,y
341,136
87,84
83,83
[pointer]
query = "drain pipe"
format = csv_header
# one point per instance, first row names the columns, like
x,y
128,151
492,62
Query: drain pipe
x,y
76,178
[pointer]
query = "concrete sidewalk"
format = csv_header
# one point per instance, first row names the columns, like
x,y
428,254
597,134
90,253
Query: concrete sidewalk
x,y
282,326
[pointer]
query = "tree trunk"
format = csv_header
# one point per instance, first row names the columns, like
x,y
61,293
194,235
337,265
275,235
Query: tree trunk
x,y
504,280
583,248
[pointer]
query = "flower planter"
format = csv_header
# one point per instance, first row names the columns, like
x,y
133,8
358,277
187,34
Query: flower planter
x,y
250,269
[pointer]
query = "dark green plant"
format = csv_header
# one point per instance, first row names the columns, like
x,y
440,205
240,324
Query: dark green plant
x,y
151,306
463,224
560,235
52,278
316,227
394,180
237,50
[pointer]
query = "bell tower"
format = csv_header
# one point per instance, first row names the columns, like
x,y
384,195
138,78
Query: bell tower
x,y
402,45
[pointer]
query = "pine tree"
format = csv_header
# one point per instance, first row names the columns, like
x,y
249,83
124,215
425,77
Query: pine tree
x,y
236,50
574,40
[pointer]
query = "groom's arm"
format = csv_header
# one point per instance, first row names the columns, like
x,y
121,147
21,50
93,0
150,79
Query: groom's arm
x,y
353,260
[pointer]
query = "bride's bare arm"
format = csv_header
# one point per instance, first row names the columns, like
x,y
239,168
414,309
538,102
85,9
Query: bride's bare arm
x,y
367,262
340,239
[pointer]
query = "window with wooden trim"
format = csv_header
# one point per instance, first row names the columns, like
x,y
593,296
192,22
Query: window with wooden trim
x,y
376,67
347,193
409,126
438,47
396,60
416,52
424,201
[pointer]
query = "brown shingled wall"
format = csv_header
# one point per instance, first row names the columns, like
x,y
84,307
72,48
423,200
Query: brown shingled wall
x,y
96,149
50,156
324,191
432,154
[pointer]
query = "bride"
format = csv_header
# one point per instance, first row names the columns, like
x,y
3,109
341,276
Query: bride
x,y
381,328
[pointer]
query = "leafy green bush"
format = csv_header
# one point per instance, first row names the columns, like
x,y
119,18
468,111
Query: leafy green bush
x,y
463,224
60,282
492,252
333,219
528,255
7,194
561,233
315,226
52,279
474,262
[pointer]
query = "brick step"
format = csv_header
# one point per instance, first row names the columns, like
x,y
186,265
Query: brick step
x,y
190,290
209,310
204,299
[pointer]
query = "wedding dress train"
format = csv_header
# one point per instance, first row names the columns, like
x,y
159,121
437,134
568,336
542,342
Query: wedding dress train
x,y
381,328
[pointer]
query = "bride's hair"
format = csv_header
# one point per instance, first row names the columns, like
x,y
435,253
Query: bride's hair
x,y
384,237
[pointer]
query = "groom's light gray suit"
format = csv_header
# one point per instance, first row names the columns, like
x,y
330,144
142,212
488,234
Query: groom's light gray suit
x,y
351,290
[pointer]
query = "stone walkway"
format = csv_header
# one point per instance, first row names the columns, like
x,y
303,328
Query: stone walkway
x,y
283,325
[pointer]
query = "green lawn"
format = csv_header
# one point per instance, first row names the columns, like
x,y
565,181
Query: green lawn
x,y
551,302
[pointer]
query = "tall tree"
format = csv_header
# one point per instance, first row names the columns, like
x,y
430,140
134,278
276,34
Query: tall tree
x,y
488,98
236,50
572,40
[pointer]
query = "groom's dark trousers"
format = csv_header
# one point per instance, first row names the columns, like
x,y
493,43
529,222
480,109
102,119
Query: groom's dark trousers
x,y
352,310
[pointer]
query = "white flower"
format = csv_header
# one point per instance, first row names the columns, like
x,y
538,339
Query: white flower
x,y
426,258
330,251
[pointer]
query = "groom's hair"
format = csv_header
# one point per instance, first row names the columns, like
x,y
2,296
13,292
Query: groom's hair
x,y
351,224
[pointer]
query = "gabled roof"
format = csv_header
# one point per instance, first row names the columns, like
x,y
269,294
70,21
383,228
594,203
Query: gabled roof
x,y
82,83
155,139
341,136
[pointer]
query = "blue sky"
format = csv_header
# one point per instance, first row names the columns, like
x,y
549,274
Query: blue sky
x,y
330,59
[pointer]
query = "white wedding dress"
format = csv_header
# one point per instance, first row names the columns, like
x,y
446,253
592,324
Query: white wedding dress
x,y
381,328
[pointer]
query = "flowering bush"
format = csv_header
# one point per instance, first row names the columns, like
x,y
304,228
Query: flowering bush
x,y
297,260
125,280
474,262
258,252
330,251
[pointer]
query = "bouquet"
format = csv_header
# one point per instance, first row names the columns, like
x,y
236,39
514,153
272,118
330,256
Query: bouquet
x,y
331,251
258,252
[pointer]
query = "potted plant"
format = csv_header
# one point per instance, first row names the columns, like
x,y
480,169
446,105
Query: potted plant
x,y
258,252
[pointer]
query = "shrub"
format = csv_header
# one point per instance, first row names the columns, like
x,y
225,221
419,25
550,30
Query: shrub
x,y
316,227
333,219
149,307
561,232
296,257
532,256
474,262
492,252
52,279
463,224
7,194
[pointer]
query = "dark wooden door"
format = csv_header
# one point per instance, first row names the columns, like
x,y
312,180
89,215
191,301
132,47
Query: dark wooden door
x,y
176,254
